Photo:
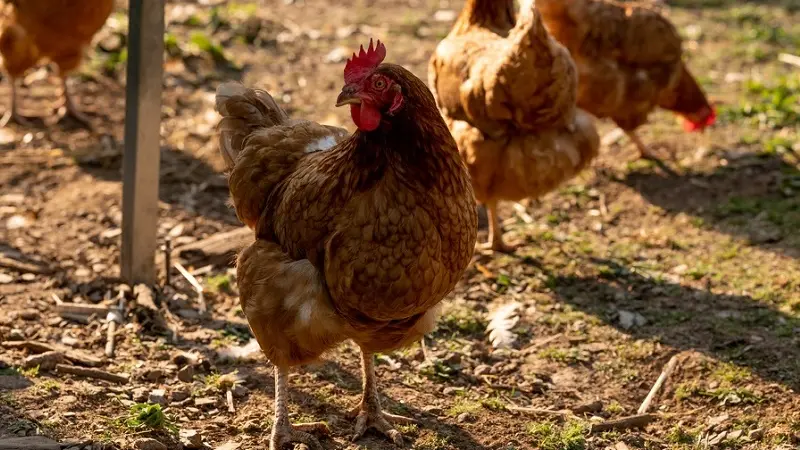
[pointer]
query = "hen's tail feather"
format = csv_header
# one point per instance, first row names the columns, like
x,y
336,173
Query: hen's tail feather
x,y
243,111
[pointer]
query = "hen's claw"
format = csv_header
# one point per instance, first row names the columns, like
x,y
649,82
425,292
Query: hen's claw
x,y
371,417
501,247
298,433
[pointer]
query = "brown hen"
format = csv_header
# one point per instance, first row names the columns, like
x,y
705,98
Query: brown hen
x,y
629,60
54,30
358,236
508,92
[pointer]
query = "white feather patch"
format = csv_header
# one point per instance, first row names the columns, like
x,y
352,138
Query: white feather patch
x,y
321,144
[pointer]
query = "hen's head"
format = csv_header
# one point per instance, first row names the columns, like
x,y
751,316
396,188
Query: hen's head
x,y
373,94
700,119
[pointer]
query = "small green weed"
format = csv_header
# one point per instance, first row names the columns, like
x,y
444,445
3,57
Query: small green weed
x,y
143,416
551,436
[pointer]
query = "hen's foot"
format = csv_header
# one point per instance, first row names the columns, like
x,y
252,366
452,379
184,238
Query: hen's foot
x,y
500,246
371,416
77,116
648,155
298,433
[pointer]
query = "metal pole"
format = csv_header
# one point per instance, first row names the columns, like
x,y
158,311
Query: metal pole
x,y
142,140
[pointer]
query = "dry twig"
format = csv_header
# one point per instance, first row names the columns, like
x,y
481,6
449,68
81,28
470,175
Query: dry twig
x,y
195,284
91,373
659,382
637,421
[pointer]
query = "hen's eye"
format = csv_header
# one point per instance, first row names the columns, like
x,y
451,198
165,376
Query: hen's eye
x,y
380,84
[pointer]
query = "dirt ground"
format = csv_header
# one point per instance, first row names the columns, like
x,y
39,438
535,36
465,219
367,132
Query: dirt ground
x,y
619,270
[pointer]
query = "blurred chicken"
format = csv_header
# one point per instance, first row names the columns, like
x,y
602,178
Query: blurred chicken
x,y
54,30
358,237
629,60
508,91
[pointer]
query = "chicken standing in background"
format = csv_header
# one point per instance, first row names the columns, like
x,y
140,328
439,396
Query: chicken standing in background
x,y
54,30
508,91
357,237
629,58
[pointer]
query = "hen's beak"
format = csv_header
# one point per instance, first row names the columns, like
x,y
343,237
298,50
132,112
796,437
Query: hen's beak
x,y
348,96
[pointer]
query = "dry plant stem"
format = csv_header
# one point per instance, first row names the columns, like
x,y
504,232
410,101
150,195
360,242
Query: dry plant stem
x,y
202,308
368,412
284,432
671,364
547,412
91,373
624,423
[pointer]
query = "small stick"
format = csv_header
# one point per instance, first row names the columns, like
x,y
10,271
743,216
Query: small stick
x,y
91,373
541,411
167,260
637,421
659,382
113,318
789,59
195,284
522,213
229,401
82,309
603,207
56,299
424,347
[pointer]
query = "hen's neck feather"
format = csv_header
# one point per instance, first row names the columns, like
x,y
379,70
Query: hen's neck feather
x,y
496,15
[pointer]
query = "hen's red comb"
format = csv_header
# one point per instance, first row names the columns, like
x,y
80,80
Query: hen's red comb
x,y
363,62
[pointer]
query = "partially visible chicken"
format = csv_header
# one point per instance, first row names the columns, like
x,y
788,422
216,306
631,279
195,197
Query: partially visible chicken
x,y
507,91
54,30
357,237
629,58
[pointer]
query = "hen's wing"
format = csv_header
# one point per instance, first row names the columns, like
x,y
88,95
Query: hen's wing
x,y
263,146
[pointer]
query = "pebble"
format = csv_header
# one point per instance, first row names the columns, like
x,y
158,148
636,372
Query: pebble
x,y
465,418
191,439
239,390
139,394
148,444
756,435
16,335
154,375
158,396
186,374
29,314
178,395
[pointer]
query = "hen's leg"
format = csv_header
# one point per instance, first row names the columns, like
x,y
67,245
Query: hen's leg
x,y
72,108
646,153
495,242
13,114
283,432
368,413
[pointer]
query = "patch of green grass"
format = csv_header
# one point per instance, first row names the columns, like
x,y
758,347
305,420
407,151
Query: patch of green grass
x,y
565,356
20,372
730,373
677,435
207,45
438,371
493,404
551,436
615,407
219,283
724,394
461,322
463,405
144,416
47,387
772,106
432,441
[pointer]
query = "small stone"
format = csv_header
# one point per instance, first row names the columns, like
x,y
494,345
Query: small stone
x,y
28,277
181,359
239,390
718,438
186,374
154,375
734,435
45,361
6,278
148,444
434,410
178,395
191,439
29,443
205,401
158,396
630,320
755,435
717,420
451,390
465,418
16,335
29,314
482,369
445,15
251,426
140,394
230,445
